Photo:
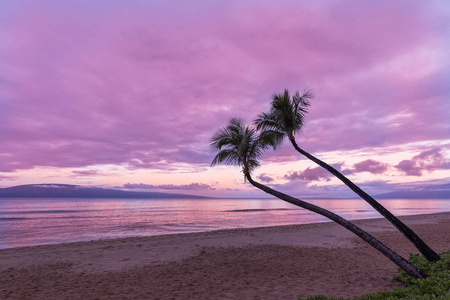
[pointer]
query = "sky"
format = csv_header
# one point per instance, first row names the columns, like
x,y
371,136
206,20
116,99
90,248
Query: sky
x,y
127,94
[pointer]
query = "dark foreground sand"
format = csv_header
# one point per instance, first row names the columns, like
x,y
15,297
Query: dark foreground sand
x,y
262,263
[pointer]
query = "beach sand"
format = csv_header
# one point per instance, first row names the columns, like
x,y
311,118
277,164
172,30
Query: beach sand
x,y
281,262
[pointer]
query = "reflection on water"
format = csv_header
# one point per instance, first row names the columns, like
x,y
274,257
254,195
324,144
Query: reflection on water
x,y
41,221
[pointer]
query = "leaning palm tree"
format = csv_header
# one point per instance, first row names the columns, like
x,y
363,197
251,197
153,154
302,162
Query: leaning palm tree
x,y
239,144
286,117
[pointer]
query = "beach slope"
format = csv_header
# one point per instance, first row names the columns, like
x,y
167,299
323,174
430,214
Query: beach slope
x,y
281,262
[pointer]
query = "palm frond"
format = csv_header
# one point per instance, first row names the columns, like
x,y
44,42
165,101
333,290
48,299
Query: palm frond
x,y
239,144
271,138
287,113
221,138
252,165
266,121
227,156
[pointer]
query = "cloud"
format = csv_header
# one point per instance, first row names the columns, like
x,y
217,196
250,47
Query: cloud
x,y
371,166
310,174
340,167
5,177
85,173
186,187
319,173
265,178
409,167
425,161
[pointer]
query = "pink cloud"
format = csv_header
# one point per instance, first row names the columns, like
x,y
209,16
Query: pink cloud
x,y
145,85
425,161
340,167
310,174
3,177
190,187
265,178
371,166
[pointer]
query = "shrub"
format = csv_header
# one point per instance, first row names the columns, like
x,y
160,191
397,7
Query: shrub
x,y
435,287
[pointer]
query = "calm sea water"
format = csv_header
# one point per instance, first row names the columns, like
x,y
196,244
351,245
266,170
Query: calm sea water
x,y
25,222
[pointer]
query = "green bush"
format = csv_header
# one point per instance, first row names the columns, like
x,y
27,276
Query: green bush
x,y
435,287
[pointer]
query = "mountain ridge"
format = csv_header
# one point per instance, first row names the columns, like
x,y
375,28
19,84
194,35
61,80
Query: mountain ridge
x,y
54,190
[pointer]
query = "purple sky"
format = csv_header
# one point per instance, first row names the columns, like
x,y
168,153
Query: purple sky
x,y
128,93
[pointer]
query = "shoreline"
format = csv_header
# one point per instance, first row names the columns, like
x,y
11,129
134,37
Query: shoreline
x,y
277,262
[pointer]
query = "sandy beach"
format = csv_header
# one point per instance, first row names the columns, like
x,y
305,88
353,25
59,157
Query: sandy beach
x,y
281,262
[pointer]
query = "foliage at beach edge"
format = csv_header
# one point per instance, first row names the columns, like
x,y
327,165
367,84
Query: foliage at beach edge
x,y
436,286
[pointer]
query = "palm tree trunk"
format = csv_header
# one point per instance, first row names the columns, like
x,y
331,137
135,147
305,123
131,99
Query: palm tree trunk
x,y
390,254
426,251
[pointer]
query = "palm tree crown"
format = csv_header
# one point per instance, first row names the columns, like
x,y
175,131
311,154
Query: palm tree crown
x,y
241,145
286,114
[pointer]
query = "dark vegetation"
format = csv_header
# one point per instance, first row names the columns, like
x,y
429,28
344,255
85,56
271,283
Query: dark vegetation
x,y
436,286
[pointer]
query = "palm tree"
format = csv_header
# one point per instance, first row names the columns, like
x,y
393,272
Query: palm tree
x,y
238,144
286,117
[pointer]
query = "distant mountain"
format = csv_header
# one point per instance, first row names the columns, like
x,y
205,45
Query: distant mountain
x,y
429,192
77,191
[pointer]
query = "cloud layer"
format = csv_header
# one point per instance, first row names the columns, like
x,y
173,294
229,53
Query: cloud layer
x,y
425,161
310,174
145,84
371,166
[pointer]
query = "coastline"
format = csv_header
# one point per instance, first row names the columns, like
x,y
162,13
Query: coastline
x,y
280,262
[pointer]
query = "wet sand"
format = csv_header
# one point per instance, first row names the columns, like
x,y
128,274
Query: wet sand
x,y
281,262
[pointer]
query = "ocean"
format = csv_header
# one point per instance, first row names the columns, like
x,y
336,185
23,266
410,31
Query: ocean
x,y
38,221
